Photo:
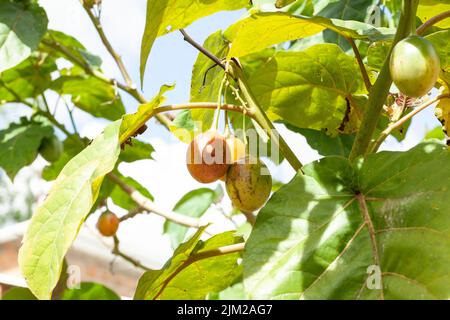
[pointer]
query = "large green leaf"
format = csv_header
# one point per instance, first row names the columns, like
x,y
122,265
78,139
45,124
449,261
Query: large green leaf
x,y
21,29
28,79
356,10
309,89
19,145
322,235
430,8
276,27
193,204
57,220
92,95
341,145
164,16
185,278
89,291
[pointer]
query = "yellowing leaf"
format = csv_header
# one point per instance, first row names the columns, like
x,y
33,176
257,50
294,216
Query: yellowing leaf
x,y
57,220
430,8
271,28
133,122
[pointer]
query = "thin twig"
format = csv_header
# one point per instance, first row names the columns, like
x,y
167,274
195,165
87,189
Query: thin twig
x,y
132,213
361,65
223,213
45,103
430,22
117,58
47,114
70,112
202,49
402,121
148,205
131,87
116,251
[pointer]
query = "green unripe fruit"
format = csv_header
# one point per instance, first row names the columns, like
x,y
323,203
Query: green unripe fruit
x,y
414,66
51,149
248,184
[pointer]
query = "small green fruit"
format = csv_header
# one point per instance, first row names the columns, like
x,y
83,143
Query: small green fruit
x,y
51,149
248,184
414,66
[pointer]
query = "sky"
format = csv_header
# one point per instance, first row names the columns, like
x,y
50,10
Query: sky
x,y
170,62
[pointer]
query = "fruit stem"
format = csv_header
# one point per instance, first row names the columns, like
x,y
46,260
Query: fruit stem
x,y
215,124
380,89
376,145
257,113
432,21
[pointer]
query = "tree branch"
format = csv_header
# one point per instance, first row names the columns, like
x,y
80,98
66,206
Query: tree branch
x,y
117,58
202,49
116,251
148,205
424,27
402,121
132,213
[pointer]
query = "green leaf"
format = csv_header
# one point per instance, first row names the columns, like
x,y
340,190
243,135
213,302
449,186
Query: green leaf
x,y
276,27
193,204
429,8
319,235
165,16
57,220
131,123
21,29
309,89
235,292
28,79
90,291
435,133
377,53
20,144
138,150
356,10
184,277
183,126
341,145
91,95
18,294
